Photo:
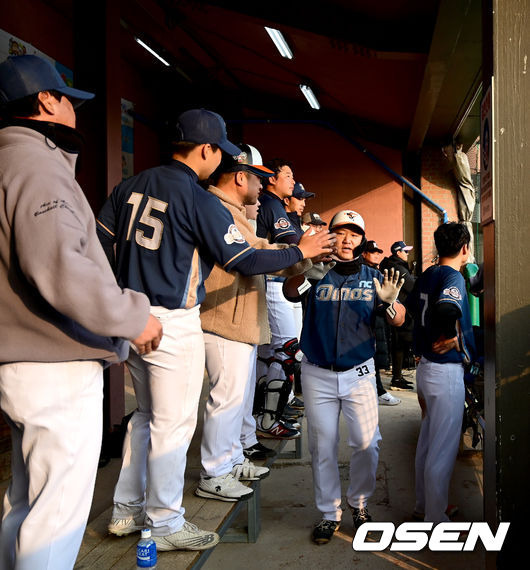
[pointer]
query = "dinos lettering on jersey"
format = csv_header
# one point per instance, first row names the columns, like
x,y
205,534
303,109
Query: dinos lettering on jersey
x,y
331,293
281,224
233,235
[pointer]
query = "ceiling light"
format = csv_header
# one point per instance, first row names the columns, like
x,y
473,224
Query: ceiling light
x,y
310,96
280,43
151,51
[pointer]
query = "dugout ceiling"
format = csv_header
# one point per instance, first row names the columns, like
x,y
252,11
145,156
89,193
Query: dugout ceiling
x,y
396,72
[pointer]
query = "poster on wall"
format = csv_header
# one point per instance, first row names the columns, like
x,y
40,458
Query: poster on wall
x,y
127,139
487,206
11,45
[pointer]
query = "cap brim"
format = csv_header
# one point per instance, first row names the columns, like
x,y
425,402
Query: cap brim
x,y
230,148
407,248
308,195
77,96
259,170
342,225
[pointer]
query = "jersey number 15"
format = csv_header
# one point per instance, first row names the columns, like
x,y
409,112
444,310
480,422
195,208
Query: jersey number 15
x,y
153,242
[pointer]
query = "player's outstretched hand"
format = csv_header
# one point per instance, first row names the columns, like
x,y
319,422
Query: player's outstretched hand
x,y
317,244
150,338
388,292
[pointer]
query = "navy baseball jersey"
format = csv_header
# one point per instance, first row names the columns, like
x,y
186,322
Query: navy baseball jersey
x,y
294,218
169,232
339,323
273,222
440,284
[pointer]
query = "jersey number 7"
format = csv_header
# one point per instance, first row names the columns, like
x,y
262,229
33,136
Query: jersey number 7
x,y
153,242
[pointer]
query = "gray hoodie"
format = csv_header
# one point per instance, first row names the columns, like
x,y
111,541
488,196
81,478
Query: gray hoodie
x,y
59,300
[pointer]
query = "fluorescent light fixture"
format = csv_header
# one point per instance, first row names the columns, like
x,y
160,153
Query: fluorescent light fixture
x,y
151,51
310,96
280,43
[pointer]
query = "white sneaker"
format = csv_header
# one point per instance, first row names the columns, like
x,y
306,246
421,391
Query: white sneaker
x,y
225,488
247,471
387,399
189,537
122,527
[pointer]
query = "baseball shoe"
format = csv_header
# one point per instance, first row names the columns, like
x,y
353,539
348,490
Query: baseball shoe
x,y
387,399
258,451
451,511
279,430
189,537
296,403
360,516
292,413
247,471
225,488
401,384
122,527
324,531
290,423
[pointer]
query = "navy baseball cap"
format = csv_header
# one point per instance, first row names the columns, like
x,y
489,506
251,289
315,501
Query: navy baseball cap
x,y
201,126
372,246
400,246
24,75
248,160
300,192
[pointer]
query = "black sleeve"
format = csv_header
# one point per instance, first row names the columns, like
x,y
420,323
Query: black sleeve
x,y
268,260
445,316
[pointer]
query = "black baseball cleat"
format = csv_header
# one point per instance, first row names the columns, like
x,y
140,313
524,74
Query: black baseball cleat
x,y
258,451
324,531
360,516
401,384
296,403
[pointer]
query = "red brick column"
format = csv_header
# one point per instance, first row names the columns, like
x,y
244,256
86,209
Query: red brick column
x,y
438,184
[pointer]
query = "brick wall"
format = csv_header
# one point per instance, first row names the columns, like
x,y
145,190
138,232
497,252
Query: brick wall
x,y
438,184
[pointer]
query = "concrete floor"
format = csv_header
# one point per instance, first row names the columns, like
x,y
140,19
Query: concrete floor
x,y
288,512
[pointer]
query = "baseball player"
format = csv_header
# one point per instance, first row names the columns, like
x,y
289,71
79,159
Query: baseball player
x,y
443,337
61,313
169,231
338,372
277,360
234,321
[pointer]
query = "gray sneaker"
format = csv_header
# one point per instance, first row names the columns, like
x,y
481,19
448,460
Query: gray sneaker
x,y
189,537
225,488
122,527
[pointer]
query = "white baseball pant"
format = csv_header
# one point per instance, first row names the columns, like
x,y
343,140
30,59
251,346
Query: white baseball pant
x,y
167,384
326,394
54,411
228,364
285,321
441,386
248,429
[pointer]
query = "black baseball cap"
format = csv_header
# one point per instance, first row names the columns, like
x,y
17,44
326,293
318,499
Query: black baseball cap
x,y
400,246
313,218
24,75
201,126
248,160
300,192
372,246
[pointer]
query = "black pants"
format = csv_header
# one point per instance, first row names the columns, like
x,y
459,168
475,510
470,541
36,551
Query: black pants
x,y
401,343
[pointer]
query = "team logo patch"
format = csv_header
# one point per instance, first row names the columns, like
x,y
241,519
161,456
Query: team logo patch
x,y
281,224
453,292
241,158
233,235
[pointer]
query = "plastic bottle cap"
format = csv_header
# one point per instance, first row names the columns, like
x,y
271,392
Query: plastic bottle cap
x,y
146,533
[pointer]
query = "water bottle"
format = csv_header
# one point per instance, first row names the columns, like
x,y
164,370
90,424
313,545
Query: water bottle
x,y
146,551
